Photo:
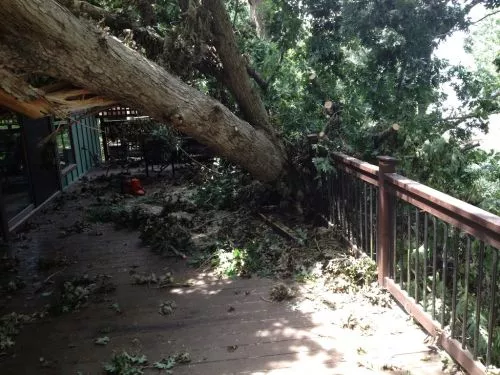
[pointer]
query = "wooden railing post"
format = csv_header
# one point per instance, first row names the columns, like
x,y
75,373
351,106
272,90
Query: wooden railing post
x,y
385,219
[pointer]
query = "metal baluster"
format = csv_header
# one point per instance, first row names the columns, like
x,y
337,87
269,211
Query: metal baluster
x,y
434,266
360,214
371,222
455,250
445,266
417,253
408,255
366,244
426,248
342,204
493,310
466,291
394,243
375,225
478,298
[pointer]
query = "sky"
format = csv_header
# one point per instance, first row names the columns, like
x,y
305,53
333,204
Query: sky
x,y
453,50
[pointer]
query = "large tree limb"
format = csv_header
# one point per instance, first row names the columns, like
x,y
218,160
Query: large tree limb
x,y
44,36
19,96
145,36
234,68
263,84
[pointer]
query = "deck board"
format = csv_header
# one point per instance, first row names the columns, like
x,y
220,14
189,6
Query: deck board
x,y
263,337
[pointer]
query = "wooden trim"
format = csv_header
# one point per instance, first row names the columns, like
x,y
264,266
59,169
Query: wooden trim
x,y
16,226
473,220
466,210
21,216
68,169
364,171
358,174
370,169
452,346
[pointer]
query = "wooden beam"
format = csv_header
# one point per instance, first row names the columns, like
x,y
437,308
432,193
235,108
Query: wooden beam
x,y
73,100
19,96
56,99
35,109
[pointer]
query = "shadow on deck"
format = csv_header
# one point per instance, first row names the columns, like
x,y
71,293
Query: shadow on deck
x,y
227,326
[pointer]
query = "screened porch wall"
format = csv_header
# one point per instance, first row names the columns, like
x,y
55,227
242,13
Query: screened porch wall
x,y
86,144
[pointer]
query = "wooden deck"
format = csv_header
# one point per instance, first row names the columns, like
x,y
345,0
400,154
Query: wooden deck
x,y
227,326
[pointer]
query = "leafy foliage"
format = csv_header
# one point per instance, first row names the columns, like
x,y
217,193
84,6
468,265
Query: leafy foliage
x,y
225,186
126,364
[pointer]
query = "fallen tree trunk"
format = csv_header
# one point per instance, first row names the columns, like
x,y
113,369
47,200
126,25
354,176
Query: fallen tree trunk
x,y
44,37
234,66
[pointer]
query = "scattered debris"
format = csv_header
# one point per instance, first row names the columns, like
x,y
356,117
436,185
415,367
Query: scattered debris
x,y
281,229
377,296
167,234
281,292
151,278
167,307
12,286
116,308
169,362
126,364
74,294
44,362
347,274
77,227
102,341
9,264
351,323
10,325
46,263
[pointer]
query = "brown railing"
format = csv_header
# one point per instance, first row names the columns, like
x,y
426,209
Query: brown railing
x,y
437,256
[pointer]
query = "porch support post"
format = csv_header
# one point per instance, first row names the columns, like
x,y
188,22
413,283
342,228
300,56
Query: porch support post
x,y
385,219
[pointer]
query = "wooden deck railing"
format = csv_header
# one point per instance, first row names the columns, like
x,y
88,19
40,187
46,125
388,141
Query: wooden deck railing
x,y
438,256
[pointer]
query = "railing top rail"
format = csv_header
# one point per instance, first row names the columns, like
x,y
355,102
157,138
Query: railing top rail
x,y
367,169
431,199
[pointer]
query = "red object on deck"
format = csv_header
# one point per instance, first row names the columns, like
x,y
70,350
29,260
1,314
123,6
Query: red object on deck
x,y
136,187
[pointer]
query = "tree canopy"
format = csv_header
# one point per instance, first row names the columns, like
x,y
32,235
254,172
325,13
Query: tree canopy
x,y
363,74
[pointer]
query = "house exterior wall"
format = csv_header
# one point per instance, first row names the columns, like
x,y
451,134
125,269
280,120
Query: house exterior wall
x,y
86,144
41,172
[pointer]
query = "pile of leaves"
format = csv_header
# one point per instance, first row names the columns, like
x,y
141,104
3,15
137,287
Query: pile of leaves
x,y
56,261
167,234
9,264
281,292
230,262
75,294
126,364
12,286
226,187
10,325
121,215
152,278
8,284
167,307
348,274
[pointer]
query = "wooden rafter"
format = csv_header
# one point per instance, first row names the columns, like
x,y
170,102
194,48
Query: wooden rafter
x,y
60,99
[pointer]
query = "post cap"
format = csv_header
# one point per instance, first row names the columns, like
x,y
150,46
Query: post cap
x,y
387,159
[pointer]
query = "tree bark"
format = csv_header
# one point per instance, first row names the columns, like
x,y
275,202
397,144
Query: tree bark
x,y
144,36
234,66
257,15
43,36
